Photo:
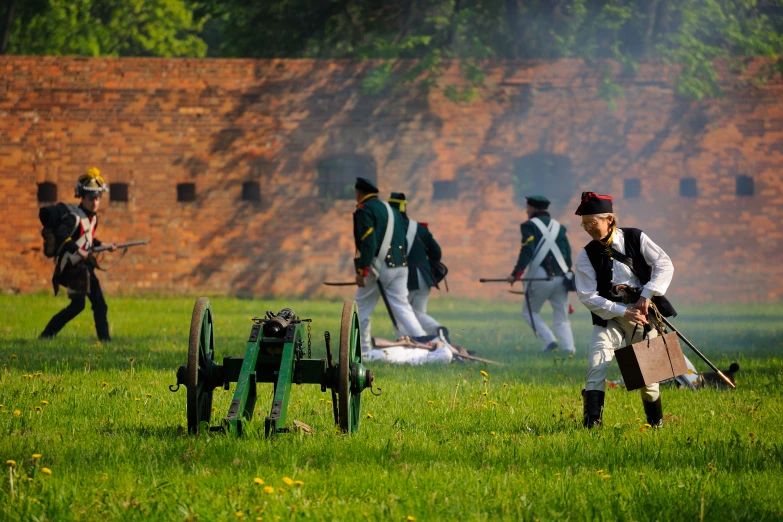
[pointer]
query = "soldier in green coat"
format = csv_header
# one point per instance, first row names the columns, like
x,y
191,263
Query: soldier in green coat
x,y
381,262
422,248
545,253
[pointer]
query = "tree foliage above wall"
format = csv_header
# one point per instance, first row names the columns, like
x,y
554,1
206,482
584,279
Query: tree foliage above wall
x,y
688,33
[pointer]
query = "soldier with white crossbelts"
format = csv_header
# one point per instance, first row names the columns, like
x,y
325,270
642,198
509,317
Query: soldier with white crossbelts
x,y
545,255
381,262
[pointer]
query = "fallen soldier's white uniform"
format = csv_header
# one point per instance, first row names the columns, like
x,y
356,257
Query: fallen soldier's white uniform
x,y
396,352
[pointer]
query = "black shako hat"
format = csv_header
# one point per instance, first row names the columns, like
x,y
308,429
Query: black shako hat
x,y
539,202
397,200
593,203
365,185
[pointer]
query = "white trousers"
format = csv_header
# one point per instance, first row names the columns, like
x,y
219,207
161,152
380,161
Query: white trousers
x,y
415,356
557,295
418,299
606,340
395,284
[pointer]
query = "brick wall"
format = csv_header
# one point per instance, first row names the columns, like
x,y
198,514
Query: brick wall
x,y
539,127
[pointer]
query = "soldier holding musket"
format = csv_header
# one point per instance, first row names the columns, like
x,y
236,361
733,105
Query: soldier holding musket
x,y
614,258
546,255
381,263
75,237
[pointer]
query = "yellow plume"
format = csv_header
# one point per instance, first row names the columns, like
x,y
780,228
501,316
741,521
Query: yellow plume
x,y
93,173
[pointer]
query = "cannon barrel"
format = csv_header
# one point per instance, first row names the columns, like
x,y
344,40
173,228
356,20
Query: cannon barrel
x,y
277,325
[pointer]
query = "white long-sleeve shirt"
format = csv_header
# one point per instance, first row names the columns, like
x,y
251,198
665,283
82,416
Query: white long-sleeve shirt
x,y
587,284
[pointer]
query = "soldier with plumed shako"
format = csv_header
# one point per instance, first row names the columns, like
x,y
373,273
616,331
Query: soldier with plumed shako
x,y
74,236
381,262
422,248
545,254
618,257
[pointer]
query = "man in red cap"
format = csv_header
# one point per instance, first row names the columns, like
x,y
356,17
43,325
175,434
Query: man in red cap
x,y
617,256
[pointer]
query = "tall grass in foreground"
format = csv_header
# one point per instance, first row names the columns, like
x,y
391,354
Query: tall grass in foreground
x,y
95,434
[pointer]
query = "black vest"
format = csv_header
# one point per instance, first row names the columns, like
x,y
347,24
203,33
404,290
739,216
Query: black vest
x,y
604,270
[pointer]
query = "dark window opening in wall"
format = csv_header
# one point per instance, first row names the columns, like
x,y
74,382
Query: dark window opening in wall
x,y
632,188
444,190
251,191
47,192
186,192
337,174
688,188
118,192
545,174
745,186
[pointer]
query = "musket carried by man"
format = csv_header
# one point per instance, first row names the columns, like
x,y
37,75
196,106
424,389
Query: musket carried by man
x,y
107,246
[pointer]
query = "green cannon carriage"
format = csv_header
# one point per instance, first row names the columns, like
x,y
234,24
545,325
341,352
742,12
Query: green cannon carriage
x,y
278,352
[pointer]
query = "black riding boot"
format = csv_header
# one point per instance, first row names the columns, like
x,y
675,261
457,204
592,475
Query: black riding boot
x,y
593,408
654,412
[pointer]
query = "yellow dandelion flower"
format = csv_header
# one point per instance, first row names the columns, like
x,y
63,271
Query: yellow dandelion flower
x,y
557,474
540,436
1,406
299,483
571,356
13,356
491,432
607,476
269,489
11,463
258,481
711,467
46,471
288,481
45,403
137,399
36,456
410,518
641,474
369,416
104,384
485,374
240,514
505,384
328,402
637,418
17,413
431,402
646,425
281,490
641,429
484,393
214,408
149,395
38,408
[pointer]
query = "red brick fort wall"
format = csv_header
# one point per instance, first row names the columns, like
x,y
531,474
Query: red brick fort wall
x,y
539,127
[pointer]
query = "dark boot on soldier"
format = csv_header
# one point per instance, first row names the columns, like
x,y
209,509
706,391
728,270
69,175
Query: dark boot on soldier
x,y
654,412
593,408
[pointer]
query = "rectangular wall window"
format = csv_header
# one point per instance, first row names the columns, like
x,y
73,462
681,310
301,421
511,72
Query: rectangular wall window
x,y
688,188
47,192
745,186
118,192
251,191
444,190
186,192
632,188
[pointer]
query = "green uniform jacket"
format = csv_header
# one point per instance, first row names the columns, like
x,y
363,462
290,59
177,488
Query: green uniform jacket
x,y
369,226
424,248
531,237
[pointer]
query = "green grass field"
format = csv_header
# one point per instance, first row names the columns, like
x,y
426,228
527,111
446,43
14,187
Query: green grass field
x,y
113,442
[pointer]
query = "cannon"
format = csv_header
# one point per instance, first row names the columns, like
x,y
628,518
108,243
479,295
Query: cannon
x,y
279,352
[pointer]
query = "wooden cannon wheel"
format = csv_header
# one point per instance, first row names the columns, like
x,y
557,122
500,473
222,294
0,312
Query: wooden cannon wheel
x,y
350,352
201,355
